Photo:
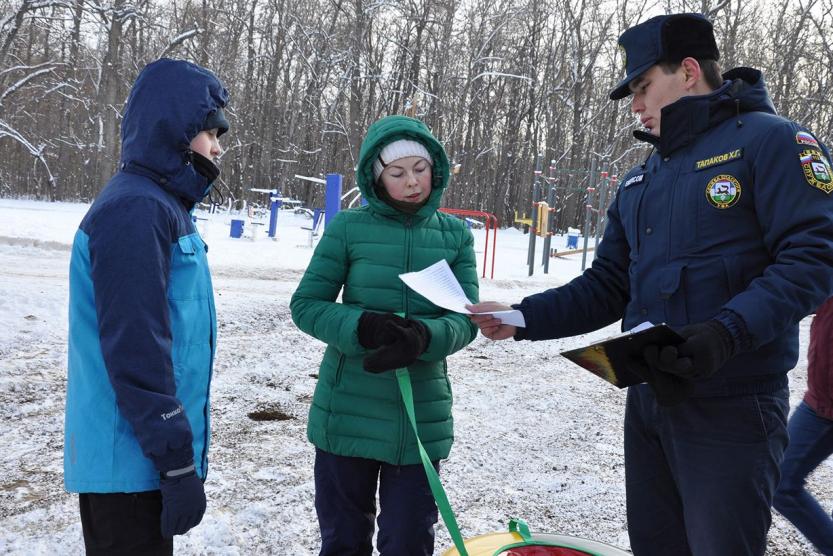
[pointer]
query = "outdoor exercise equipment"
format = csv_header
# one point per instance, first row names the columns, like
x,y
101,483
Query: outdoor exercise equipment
x,y
545,207
605,185
608,186
491,224
276,201
332,194
524,220
315,225
543,214
236,230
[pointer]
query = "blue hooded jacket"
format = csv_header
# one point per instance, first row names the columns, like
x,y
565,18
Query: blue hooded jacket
x,y
730,218
142,324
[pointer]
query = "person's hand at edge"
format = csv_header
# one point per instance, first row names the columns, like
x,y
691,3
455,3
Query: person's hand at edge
x,y
183,500
489,325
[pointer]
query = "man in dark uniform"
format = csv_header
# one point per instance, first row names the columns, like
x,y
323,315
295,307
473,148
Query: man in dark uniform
x,y
726,234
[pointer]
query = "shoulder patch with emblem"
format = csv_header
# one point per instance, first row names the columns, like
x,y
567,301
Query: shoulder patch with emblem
x,y
635,179
723,191
817,169
718,159
806,138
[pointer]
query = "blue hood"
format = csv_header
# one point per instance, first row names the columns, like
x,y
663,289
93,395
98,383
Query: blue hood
x,y
166,109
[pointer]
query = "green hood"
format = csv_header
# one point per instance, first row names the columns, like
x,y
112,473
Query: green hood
x,y
390,129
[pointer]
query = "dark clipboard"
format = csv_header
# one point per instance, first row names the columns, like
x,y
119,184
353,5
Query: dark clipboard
x,y
608,359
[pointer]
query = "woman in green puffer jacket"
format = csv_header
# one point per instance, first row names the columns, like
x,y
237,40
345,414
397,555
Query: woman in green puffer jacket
x,y
357,420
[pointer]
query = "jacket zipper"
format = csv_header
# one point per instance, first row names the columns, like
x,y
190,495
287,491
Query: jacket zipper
x,y
206,410
339,370
402,415
408,240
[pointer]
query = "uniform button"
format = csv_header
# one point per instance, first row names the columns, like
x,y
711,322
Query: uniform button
x,y
163,181
643,311
666,159
649,230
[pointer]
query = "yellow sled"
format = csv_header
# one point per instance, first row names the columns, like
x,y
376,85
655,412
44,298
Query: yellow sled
x,y
518,541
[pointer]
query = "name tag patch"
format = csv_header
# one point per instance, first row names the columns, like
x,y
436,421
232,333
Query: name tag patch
x,y
633,180
718,159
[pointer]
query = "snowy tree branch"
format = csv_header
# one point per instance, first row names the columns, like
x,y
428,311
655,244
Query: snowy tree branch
x,y
179,39
21,82
37,152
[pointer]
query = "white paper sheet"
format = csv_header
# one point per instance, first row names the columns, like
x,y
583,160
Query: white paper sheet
x,y
439,286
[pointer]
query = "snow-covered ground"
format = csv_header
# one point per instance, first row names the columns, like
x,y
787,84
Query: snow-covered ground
x,y
536,436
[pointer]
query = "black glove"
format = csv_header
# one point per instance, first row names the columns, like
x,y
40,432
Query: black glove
x,y
707,347
669,389
372,329
402,343
183,502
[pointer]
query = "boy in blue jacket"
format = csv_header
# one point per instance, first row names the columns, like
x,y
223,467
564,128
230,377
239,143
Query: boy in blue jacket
x,y
142,326
726,234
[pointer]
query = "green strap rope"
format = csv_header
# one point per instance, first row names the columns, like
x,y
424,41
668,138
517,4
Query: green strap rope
x,y
437,489
518,526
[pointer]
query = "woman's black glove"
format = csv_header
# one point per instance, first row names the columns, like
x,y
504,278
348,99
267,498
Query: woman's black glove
x,y
400,340
372,329
707,347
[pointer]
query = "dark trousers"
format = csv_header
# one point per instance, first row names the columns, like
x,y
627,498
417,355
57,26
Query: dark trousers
x,y
126,524
345,500
700,476
811,442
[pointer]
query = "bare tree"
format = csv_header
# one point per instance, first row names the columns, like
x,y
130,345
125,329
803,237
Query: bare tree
x,y
498,81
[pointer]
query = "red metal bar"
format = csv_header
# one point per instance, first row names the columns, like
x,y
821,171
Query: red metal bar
x,y
486,249
494,246
490,219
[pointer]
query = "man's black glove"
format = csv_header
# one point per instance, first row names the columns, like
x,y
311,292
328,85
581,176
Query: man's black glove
x,y
707,347
183,501
669,389
402,342
373,331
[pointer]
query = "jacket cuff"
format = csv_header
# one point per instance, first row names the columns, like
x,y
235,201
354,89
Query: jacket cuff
x,y
738,331
520,331
174,459
188,470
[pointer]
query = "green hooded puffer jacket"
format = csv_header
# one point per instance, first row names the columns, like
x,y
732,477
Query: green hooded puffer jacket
x,y
363,250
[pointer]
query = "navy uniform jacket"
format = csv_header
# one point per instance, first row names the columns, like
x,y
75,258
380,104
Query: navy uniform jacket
x,y
142,324
730,217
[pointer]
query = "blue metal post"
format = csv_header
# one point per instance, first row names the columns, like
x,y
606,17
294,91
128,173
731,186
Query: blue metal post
x,y
273,216
332,200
